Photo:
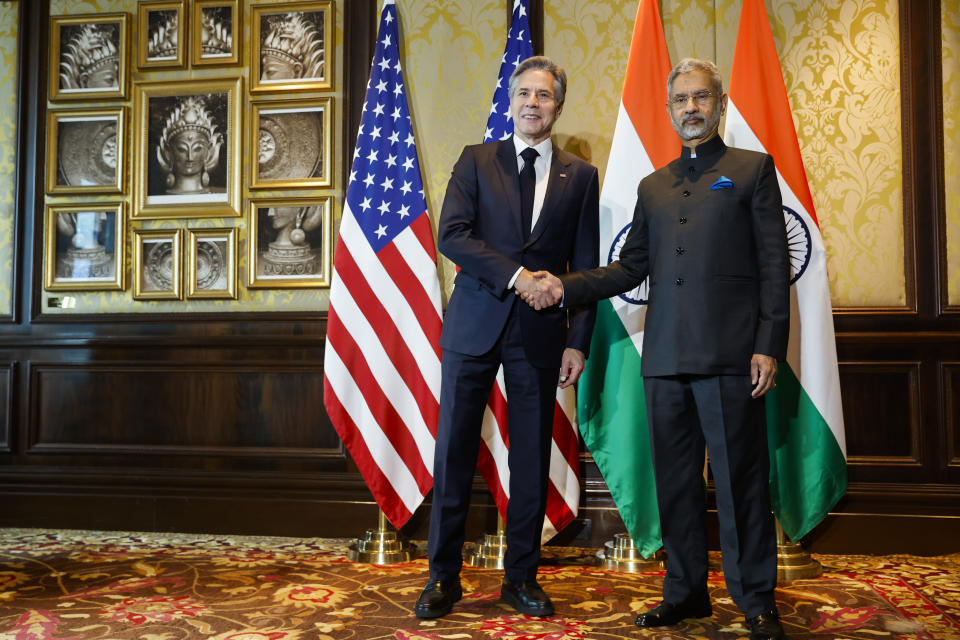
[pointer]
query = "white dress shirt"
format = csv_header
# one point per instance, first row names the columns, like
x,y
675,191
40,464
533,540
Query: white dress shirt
x,y
541,168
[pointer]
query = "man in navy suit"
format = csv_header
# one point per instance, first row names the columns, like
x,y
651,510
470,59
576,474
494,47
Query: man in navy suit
x,y
511,207
708,230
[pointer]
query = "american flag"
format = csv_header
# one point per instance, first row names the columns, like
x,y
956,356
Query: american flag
x,y
382,358
563,496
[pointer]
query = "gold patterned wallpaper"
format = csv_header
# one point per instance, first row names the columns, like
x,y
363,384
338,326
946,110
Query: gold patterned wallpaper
x,y
8,137
950,11
840,60
450,63
841,64
248,299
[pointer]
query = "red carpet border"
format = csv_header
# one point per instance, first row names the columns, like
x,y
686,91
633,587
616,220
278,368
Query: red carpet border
x,y
80,585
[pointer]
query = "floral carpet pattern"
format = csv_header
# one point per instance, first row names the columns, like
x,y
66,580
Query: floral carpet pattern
x,y
79,585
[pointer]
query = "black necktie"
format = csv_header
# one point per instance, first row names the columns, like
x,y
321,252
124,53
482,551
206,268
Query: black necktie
x,y
528,185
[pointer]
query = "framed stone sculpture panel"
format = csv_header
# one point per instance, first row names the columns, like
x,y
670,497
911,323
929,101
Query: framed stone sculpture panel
x,y
161,41
88,57
212,263
188,149
156,264
216,33
288,242
291,47
292,141
86,151
84,247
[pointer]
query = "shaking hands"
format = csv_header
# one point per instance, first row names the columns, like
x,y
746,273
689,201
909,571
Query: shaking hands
x,y
539,289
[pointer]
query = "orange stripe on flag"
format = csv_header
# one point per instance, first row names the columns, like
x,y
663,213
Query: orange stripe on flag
x,y
757,85
645,87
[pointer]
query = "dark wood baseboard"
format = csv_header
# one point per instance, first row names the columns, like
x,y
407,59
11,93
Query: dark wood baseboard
x,y
872,519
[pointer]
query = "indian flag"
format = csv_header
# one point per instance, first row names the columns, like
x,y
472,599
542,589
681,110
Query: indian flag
x,y
808,471
610,403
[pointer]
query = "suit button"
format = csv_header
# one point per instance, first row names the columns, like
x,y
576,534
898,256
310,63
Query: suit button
x,y
685,193
681,251
679,282
683,221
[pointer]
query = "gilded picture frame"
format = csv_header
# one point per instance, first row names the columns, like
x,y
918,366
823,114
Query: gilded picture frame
x,y
212,263
187,149
84,247
293,143
161,34
217,29
289,242
88,57
291,47
156,264
86,151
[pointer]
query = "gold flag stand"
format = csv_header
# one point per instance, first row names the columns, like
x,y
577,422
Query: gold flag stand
x,y
793,563
620,554
490,549
382,546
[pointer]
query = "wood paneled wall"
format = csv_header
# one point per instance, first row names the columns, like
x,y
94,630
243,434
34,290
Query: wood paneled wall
x,y
216,423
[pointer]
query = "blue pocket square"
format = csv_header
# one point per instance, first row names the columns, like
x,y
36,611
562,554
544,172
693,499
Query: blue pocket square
x,y
723,182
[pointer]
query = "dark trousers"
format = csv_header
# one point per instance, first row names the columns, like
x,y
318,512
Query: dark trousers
x,y
686,413
464,388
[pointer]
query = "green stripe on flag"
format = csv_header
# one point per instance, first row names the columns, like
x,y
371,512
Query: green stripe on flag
x,y
808,472
613,421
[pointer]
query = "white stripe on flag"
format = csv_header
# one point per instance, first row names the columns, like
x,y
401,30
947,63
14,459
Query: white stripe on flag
x,y
493,440
422,264
564,478
393,300
380,447
618,198
498,450
811,318
628,159
392,384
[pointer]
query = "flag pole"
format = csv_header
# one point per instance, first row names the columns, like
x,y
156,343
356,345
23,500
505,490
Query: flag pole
x,y
490,549
620,554
793,562
381,546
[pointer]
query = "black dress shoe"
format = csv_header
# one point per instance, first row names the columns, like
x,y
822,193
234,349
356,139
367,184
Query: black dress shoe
x,y
527,597
765,626
666,614
437,599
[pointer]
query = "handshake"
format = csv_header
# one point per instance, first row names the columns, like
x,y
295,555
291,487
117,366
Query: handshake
x,y
539,289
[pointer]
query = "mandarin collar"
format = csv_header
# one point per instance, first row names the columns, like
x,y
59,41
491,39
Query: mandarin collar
x,y
706,152
711,147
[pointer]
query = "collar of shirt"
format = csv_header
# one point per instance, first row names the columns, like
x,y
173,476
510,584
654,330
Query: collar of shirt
x,y
541,169
540,165
704,153
706,149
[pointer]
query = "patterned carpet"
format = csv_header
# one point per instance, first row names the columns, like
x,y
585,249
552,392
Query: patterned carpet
x,y
72,585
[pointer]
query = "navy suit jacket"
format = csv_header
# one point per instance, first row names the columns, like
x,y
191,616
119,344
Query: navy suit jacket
x,y
716,254
480,231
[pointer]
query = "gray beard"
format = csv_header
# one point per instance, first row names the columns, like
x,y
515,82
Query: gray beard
x,y
694,131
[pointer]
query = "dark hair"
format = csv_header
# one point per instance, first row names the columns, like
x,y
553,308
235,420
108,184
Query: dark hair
x,y
548,65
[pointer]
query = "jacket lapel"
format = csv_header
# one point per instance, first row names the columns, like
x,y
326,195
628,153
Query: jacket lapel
x,y
556,186
507,157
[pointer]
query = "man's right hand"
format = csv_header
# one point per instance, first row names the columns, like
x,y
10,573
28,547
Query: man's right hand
x,y
539,289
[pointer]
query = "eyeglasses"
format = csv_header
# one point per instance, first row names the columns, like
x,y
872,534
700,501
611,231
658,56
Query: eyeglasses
x,y
700,98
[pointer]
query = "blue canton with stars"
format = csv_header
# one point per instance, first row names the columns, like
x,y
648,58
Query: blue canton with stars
x,y
385,191
519,47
